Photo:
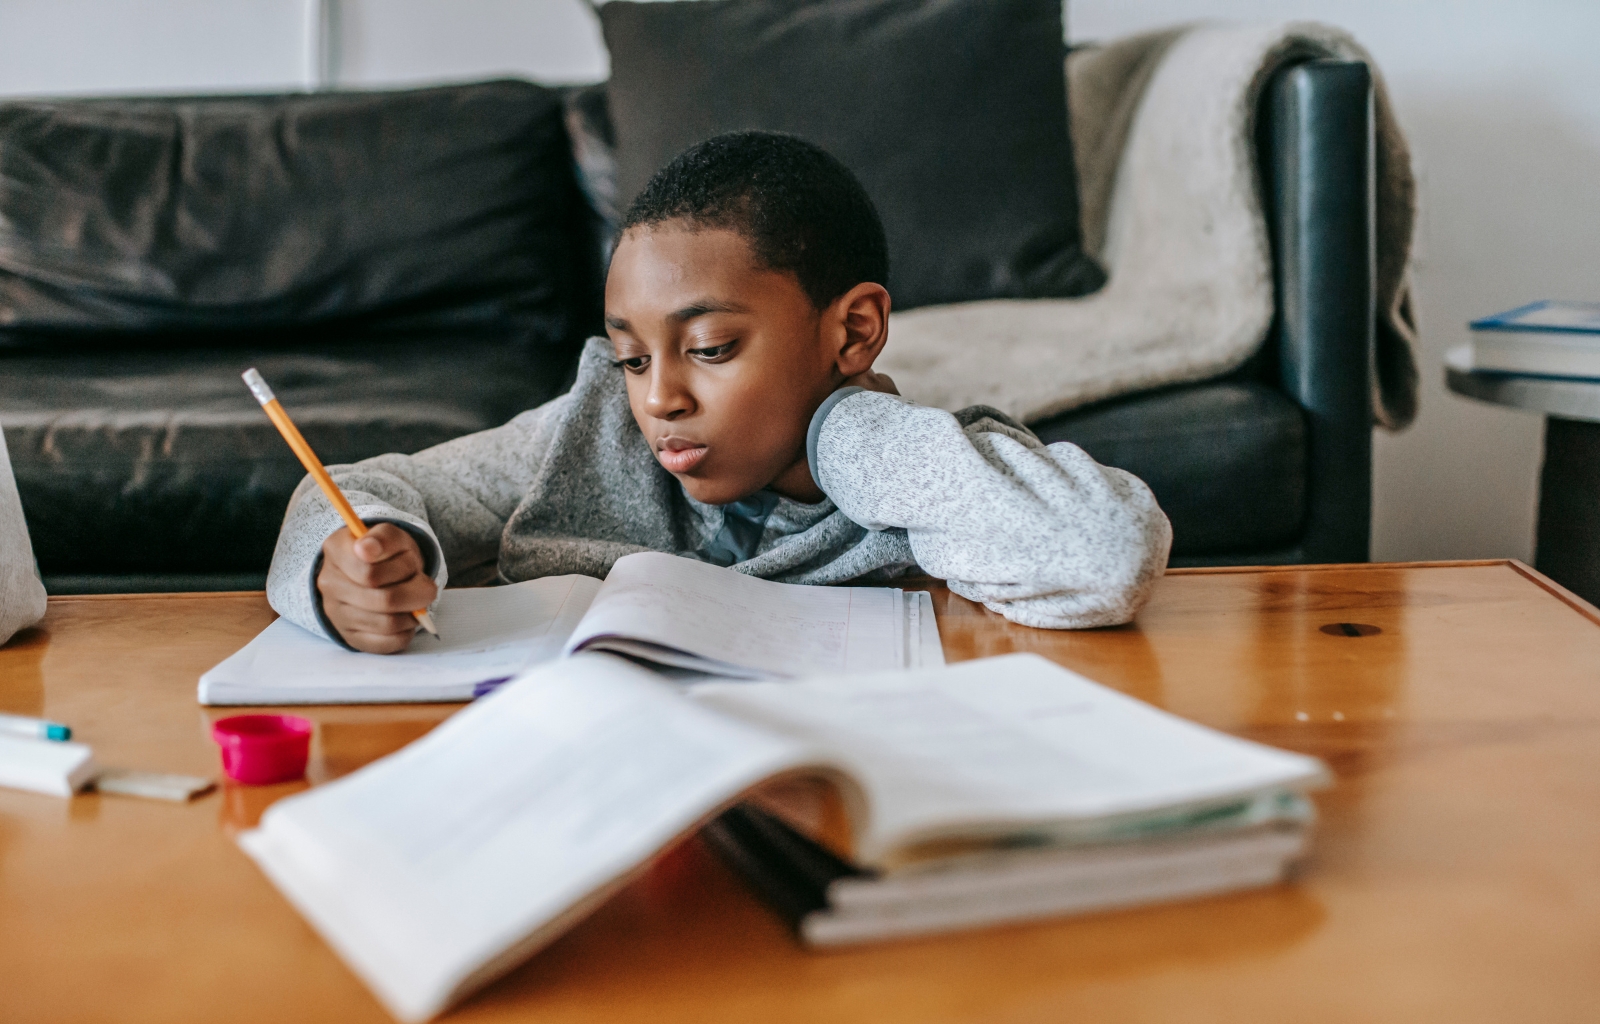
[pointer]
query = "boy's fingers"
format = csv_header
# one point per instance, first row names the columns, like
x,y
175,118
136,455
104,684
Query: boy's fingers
x,y
386,541
339,553
388,573
374,632
359,620
370,587
374,643
398,559
416,591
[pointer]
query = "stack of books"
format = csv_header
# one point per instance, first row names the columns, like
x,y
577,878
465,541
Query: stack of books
x,y
1550,338
830,900
996,790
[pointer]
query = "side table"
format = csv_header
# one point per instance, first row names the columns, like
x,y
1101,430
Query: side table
x,y
1567,546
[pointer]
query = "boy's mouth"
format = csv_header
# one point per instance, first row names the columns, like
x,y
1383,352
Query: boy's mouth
x,y
678,455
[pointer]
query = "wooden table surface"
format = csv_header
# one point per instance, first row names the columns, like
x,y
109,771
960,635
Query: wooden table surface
x,y
1455,877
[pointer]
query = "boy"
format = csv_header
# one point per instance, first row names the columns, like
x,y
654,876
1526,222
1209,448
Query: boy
x,y
733,416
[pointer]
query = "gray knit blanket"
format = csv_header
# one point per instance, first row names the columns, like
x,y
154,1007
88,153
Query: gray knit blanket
x,y
1163,126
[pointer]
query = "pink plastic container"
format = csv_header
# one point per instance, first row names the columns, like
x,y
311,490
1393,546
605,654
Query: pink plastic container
x,y
262,749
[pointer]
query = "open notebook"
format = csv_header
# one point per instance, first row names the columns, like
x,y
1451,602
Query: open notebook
x,y
440,867
664,609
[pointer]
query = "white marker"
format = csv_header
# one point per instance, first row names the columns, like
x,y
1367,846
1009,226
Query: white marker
x,y
38,728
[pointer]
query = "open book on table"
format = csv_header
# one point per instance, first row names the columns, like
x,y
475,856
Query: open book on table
x,y
440,867
663,609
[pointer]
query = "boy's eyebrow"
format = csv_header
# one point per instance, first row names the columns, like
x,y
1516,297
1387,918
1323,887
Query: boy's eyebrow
x,y
684,315
704,306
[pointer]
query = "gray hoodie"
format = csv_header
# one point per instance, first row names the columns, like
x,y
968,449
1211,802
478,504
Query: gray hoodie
x,y
1040,533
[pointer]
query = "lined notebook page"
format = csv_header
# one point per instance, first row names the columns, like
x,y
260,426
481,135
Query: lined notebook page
x,y
776,629
486,633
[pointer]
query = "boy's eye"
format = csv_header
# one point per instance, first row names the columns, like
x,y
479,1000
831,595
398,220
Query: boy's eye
x,y
636,364
715,353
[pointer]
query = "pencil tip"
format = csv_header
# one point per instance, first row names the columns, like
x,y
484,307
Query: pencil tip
x,y
425,620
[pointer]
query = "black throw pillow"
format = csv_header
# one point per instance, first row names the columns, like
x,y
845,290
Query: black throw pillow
x,y
952,113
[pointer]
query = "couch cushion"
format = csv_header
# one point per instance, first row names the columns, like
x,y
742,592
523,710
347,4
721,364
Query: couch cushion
x,y
446,208
951,112
1226,460
161,462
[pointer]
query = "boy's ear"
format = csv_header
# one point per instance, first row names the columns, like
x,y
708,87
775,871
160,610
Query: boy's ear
x,y
862,318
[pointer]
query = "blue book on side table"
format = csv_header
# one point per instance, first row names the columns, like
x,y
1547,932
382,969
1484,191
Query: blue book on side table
x,y
1550,338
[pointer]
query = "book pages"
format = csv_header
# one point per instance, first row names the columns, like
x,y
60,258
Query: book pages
x,y
436,868
1101,880
923,646
1007,745
740,625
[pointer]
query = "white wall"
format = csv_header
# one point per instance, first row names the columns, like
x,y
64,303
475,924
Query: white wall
x,y
1501,102
61,47
150,46
392,41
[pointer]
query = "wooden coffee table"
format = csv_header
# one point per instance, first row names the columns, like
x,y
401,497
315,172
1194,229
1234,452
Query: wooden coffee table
x,y
1456,874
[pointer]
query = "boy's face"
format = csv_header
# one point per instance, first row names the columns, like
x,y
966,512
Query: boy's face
x,y
725,360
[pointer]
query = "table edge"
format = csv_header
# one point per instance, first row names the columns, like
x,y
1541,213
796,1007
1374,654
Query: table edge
x,y
1539,579
1195,570
1556,590
157,595
1205,570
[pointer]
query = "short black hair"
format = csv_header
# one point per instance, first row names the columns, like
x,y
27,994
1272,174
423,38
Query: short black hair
x,y
800,208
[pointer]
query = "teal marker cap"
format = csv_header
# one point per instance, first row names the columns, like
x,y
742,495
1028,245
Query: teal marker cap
x,y
52,731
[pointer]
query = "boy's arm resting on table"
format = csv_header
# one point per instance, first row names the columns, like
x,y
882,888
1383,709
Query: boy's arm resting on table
x,y
1042,534
454,500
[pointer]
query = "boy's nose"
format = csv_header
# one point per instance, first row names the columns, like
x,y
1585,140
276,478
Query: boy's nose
x,y
668,398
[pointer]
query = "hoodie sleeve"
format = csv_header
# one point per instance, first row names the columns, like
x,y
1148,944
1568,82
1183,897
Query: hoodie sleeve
x,y
454,498
1040,533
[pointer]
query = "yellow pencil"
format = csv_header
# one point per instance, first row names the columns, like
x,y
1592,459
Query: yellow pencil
x,y
308,459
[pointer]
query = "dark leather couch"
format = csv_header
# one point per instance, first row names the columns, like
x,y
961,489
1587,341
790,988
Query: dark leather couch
x,y
447,284
1273,463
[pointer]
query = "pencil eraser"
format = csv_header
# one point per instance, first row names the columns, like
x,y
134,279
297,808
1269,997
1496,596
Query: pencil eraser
x,y
258,385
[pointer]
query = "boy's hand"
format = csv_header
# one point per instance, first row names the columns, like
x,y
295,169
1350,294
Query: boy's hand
x,y
872,381
371,586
